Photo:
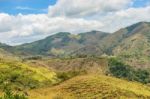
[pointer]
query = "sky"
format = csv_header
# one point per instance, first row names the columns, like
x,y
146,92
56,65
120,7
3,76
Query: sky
x,y
24,21
25,6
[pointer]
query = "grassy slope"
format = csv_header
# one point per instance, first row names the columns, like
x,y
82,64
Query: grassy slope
x,y
93,87
22,76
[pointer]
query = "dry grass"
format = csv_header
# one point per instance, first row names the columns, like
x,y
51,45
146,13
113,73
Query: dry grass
x,y
93,87
90,65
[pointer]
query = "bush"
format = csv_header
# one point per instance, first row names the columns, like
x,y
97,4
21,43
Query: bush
x,y
142,76
10,95
121,70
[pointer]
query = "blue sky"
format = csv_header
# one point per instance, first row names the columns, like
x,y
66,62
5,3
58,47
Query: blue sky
x,y
141,3
39,6
25,6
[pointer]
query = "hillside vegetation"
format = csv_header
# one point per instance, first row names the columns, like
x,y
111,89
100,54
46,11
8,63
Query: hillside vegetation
x,y
70,67
119,69
20,76
93,87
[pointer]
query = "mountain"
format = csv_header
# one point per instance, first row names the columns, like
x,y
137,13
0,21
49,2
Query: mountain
x,y
134,45
128,47
131,44
5,50
3,45
93,87
62,44
113,40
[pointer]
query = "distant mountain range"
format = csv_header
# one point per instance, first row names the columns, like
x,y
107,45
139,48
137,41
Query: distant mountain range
x,y
64,43
131,44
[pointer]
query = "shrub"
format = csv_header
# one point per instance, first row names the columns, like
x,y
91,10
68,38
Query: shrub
x,y
10,95
121,70
142,76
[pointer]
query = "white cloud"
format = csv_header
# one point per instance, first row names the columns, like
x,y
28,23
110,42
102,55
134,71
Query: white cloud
x,y
77,16
123,18
24,8
30,9
30,26
80,8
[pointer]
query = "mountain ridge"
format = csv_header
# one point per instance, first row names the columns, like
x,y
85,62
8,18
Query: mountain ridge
x,y
63,43
132,41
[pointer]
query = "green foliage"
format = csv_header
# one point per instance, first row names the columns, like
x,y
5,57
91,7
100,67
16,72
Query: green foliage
x,y
142,76
20,76
17,79
8,94
121,70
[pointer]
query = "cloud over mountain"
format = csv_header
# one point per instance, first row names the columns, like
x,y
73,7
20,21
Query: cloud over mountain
x,y
72,16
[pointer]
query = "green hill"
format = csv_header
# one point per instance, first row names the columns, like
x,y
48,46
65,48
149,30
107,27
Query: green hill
x,y
132,44
61,44
21,76
4,48
93,87
134,49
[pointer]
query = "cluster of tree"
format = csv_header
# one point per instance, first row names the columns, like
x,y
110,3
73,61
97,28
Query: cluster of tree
x,y
121,70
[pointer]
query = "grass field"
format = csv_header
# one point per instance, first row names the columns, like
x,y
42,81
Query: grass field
x,y
93,87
